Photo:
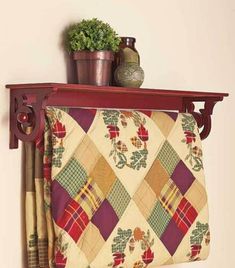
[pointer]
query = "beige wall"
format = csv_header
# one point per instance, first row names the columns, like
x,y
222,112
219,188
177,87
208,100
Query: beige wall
x,y
184,44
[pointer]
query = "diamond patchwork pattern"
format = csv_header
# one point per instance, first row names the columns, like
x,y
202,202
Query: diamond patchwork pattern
x,y
157,177
87,150
159,219
185,215
105,219
164,121
103,175
145,199
170,197
172,237
72,177
101,186
86,242
196,195
90,197
181,171
119,198
168,157
74,220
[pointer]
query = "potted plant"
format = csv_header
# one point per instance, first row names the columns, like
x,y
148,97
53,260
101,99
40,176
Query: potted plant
x,y
92,44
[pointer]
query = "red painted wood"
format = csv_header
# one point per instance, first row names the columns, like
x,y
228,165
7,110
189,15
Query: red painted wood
x,y
114,100
121,90
30,100
22,118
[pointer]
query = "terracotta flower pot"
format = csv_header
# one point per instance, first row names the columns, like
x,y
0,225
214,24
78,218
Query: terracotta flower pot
x,y
94,68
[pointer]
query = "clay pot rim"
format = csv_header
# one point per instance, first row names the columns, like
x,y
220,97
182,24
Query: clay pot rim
x,y
94,55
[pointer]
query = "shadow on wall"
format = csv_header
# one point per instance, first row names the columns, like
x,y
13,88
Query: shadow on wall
x,y
5,96
70,69
22,205
69,62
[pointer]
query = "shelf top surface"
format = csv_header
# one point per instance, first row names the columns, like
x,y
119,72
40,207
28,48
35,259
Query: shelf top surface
x,y
118,90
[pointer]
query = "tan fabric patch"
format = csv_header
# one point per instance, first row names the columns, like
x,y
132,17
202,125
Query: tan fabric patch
x,y
40,212
169,262
164,122
38,166
103,175
145,199
196,195
113,132
157,177
86,242
29,161
87,154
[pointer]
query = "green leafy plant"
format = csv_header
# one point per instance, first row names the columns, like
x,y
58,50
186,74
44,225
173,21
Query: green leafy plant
x,y
92,35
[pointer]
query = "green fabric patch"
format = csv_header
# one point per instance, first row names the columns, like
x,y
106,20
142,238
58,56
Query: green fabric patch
x,y
119,198
159,219
72,177
168,157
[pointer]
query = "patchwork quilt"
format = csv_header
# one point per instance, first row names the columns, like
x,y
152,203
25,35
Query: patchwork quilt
x,y
117,188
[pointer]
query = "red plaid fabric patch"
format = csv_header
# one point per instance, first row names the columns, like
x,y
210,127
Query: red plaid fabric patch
x,y
185,215
74,220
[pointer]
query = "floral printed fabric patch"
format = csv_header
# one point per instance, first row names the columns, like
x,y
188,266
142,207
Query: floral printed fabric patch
x,y
131,238
122,188
119,148
194,156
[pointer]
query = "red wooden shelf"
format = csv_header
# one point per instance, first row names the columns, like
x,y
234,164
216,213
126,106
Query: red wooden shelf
x,y
28,102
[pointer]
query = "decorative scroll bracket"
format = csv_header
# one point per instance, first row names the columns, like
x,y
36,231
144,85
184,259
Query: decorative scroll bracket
x,y
203,117
27,114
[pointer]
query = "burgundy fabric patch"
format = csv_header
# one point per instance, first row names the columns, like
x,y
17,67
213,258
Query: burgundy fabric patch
x,y
60,200
172,237
105,219
182,177
84,117
173,115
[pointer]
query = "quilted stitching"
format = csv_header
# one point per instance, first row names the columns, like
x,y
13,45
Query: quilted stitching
x,y
74,220
168,157
159,219
170,197
129,166
119,198
185,215
90,197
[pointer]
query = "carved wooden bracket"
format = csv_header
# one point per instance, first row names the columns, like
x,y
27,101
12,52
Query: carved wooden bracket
x,y
203,117
28,102
27,115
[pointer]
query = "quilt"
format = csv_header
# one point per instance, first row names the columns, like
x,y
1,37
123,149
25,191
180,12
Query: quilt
x,y
115,188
